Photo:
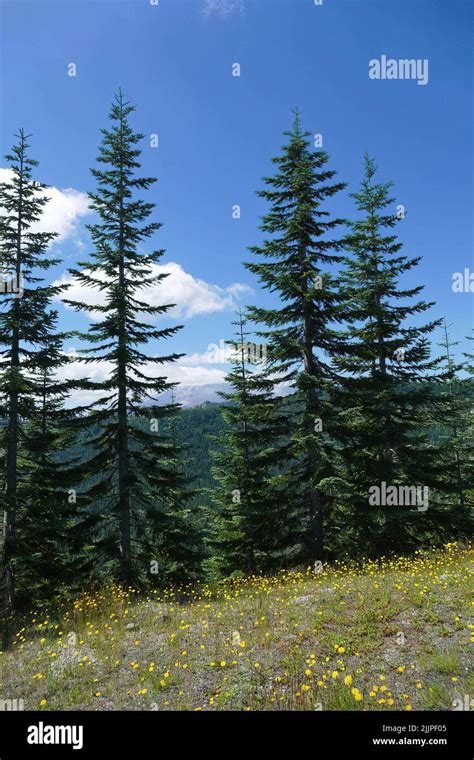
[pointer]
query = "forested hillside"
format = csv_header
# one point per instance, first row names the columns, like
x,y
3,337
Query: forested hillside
x,y
199,429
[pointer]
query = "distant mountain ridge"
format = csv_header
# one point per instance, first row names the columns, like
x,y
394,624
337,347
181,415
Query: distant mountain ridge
x,y
189,396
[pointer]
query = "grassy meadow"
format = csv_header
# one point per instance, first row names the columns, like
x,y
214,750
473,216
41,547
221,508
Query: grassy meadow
x,y
387,635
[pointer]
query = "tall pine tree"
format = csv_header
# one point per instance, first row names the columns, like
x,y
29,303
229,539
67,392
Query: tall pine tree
x,y
296,263
389,389
126,482
25,323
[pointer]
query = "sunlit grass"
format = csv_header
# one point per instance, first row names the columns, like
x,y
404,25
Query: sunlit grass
x,y
381,635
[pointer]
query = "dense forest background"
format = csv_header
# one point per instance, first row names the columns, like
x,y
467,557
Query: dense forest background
x,y
199,430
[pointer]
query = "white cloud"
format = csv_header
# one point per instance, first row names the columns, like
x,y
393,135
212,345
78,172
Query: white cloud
x,y
62,213
222,7
191,295
192,377
216,354
187,375
197,382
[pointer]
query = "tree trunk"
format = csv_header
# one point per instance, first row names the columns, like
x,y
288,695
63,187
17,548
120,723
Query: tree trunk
x,y
12,422
316,516
123,479
126,570
250,561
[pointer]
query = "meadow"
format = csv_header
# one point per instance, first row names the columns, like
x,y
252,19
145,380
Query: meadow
x,y
392,634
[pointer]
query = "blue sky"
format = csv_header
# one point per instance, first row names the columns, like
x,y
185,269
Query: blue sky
x,y
217,132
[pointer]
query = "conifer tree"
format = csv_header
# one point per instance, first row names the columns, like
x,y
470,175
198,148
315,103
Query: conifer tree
x,y
126,483
25,321
389,397
251,519
45,560
176,539
468,367
455,427
295,263
469,359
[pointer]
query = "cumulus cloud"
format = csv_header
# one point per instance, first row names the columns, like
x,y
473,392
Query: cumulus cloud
x,y
217,353
191,295
63,212
196,383
188,375
192,377
197,380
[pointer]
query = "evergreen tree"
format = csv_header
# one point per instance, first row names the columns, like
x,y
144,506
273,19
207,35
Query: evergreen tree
x,y
469,358
45,560
468,366
455,450
126,482
389,396
250,517
296,262
177,542
25,322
